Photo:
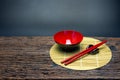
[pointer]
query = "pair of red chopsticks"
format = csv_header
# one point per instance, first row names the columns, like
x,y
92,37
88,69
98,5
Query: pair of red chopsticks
x,y
78,55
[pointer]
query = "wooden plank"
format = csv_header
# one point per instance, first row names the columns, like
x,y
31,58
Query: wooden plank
x,y
28,58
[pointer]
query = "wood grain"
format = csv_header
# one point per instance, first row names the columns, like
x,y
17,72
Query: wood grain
x,y
28,58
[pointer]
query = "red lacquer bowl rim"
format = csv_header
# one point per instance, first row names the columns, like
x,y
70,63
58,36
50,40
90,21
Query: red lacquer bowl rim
x,y
74,36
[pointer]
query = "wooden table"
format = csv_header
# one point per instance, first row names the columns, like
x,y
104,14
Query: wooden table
x,y
28,58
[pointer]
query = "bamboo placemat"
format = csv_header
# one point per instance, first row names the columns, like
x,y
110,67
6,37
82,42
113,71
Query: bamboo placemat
x,y
87,62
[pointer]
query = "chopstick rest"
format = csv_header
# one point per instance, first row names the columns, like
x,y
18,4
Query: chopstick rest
x,y
78,55
93,52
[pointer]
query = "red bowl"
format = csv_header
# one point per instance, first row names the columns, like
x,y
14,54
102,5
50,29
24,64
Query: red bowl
x,y
68,37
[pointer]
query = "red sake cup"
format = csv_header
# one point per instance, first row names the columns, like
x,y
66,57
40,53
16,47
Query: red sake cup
x,y
68,39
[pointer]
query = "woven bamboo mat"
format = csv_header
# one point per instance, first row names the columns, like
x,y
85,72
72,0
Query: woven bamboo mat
x,y
87,62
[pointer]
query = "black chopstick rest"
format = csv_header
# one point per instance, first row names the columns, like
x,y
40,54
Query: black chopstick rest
x,y
93,52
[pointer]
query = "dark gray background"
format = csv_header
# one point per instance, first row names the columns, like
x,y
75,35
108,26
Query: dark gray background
x,y
46,17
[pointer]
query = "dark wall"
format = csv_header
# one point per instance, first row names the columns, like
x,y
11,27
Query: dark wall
x,y
45,17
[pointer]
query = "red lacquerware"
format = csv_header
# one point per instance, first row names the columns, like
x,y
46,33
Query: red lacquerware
x,y
68,37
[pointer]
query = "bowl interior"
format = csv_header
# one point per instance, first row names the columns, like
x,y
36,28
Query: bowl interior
x,y
68,37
